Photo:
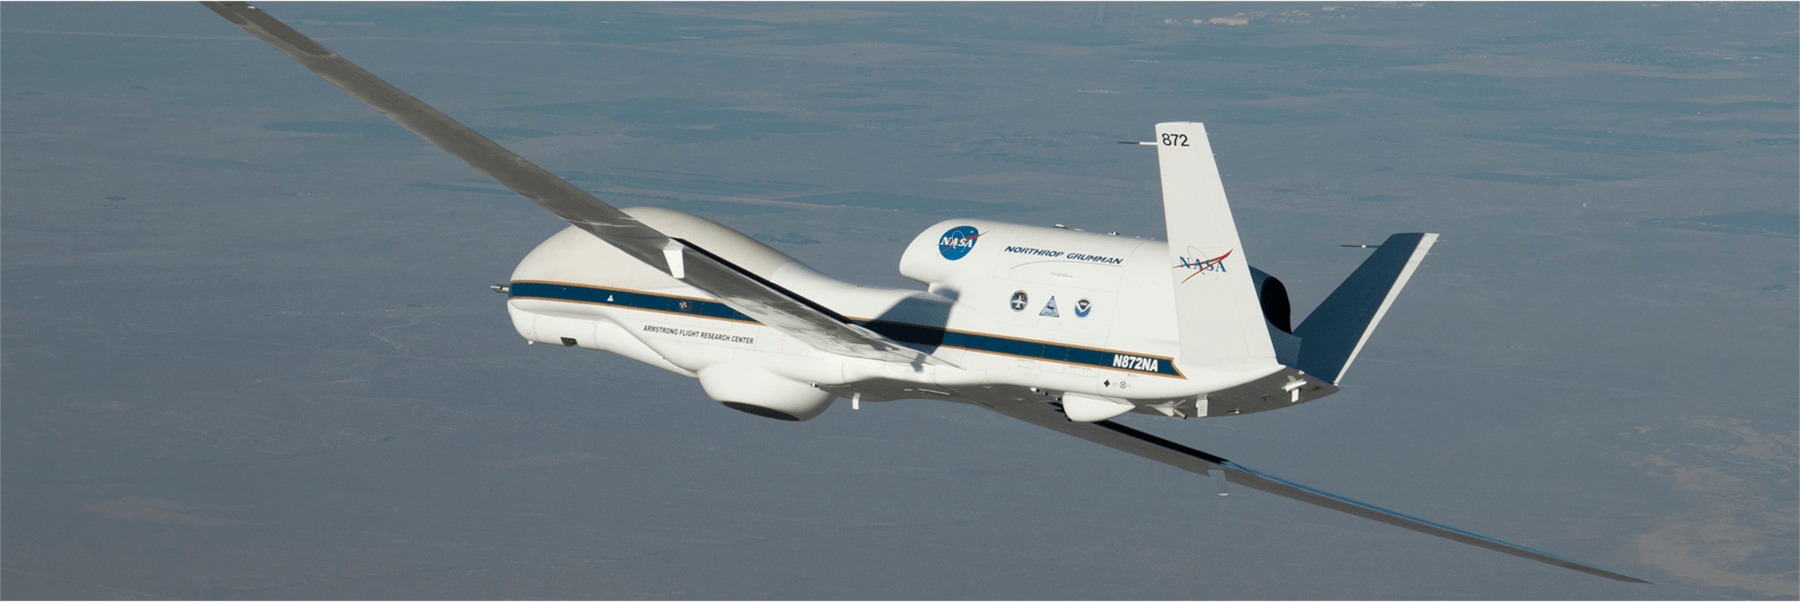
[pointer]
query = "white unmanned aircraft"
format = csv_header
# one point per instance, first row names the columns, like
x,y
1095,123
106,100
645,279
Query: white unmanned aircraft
x,y
1059,328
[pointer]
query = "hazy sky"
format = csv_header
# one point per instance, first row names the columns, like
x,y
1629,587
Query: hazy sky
x,y
249,350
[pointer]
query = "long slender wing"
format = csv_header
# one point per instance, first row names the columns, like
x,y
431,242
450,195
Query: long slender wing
x,y
732,285
1132,441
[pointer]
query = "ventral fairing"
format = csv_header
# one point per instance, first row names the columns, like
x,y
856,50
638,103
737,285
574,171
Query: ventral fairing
x,y
1060,328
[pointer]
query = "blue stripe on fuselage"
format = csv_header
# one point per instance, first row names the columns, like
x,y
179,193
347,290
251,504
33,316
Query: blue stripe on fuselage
x,y
911,334
705,308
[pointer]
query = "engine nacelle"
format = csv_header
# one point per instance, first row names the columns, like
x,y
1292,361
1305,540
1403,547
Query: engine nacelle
x,y
752,390
1274,298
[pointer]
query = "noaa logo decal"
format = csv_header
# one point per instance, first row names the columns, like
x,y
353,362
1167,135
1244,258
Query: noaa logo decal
x,y
956,243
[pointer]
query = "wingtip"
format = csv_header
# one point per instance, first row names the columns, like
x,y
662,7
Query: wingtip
x,y
1255,479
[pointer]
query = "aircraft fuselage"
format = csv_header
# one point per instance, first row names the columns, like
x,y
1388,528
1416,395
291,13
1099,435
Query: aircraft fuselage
x,y
1055,310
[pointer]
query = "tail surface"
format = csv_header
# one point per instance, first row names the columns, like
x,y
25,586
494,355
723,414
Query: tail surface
x,y
1216,309
1335,332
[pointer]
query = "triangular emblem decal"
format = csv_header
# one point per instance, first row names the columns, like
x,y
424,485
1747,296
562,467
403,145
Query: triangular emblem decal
x,y
1049,308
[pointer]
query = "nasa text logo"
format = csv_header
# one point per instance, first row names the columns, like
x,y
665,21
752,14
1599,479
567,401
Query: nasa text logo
x,y
1193,260
957,242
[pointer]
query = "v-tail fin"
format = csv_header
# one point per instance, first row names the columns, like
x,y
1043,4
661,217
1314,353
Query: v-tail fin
x,y
1217,312
1335,332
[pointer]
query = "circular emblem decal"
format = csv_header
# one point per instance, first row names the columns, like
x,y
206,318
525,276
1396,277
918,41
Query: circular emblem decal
x,y
957,242
1019,301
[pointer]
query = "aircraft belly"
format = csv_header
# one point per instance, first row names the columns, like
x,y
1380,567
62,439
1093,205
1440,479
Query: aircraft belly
x,y
1284,388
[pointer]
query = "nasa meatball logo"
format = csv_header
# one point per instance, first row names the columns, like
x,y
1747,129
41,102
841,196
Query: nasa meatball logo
x,y
956,243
